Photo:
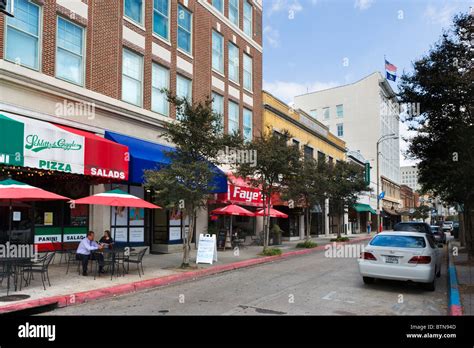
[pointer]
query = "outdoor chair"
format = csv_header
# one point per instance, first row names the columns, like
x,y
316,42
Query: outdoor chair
x,y
41,267
138,260
109,263
71,259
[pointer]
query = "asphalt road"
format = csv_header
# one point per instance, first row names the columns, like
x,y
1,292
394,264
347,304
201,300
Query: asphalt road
x,y
305,285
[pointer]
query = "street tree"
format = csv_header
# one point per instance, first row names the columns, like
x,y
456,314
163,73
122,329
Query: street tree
x,y
346,182
187,182
309,188
442,84
277,164
422,212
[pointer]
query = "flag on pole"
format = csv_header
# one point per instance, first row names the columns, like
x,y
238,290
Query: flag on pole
x,y
391,71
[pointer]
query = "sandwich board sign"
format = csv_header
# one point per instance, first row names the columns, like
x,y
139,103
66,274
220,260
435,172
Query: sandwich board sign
x,y
207,249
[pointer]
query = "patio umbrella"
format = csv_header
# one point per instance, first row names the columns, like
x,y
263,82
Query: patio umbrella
x,y
16,191
232,209
116,198
273,213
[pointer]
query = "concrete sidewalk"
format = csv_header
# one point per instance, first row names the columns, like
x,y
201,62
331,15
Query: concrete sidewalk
x,y
465,278
162,269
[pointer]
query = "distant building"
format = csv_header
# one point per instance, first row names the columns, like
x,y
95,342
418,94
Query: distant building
x,y
409,177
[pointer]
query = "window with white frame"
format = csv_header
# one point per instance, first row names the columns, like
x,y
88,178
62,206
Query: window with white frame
x,y
340,111
217,52
313,113
184,29
161,20
248,15
326,113
248,73
234,11
234,124
234,62
70,52
132,77
134,10
160,81
22,35
219,5
183,90
340,129
218,105
247,125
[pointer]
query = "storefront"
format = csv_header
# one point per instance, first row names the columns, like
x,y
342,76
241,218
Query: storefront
x,y
59,159
162,229
360,216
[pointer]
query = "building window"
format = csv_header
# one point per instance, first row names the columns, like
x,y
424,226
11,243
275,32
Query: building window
x,y
326,113
134,10
248,18
313,113
321,156
22,43
234,126
184,29
340,129
234,11
247,125
69,52
161,10
331,161
217,52
218,106
296,144
132,75
308,152
234,62
183,90
219,5
248,73
340,111
160,81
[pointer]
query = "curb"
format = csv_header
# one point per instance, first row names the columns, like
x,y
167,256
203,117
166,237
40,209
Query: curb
x,y
85,296
454,299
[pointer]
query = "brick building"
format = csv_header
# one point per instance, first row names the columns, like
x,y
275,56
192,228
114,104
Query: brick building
x,y
99,67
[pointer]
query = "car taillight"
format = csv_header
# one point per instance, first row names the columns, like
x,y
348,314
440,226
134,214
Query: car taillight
x,y
368,256
420,259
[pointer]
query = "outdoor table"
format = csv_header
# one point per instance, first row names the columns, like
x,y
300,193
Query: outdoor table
x,y
110,254
10,265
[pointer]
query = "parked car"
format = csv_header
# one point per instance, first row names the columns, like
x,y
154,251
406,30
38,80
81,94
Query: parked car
x,y
448,226
413,226
405,256
455,231
438,234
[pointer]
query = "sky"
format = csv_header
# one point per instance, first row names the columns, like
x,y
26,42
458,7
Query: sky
x,y
311,45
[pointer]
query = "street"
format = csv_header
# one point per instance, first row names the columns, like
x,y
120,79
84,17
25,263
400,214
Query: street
x,y
305,285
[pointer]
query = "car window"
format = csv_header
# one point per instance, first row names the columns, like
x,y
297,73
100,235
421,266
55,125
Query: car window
x,y
399,241
431,241
411,228
435,229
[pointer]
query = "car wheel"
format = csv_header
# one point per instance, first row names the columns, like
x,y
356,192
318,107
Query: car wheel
x,y
368,280
430,286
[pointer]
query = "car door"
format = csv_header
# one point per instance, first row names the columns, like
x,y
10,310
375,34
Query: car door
x,y
435,250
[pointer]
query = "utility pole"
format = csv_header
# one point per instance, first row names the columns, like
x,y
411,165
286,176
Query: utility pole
x,y
381,139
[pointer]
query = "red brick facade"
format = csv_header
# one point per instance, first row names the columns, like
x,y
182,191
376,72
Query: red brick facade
x,y
104,43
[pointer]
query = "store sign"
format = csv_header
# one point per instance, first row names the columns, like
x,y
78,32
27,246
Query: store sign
x,y
37,144
245,194
207,249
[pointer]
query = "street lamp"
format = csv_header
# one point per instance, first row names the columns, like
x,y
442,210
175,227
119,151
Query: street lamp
x,y
381,139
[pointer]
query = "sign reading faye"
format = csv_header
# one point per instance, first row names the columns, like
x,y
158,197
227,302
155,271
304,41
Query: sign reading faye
x,y
31,143
207,249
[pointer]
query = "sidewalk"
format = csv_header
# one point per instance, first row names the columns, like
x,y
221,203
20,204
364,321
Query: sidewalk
x,y
71,288
465,278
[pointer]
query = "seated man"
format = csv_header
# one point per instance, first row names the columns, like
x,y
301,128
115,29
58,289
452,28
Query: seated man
x,y
84,254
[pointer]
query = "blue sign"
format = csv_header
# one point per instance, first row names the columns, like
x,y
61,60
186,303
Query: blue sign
x,y
381,195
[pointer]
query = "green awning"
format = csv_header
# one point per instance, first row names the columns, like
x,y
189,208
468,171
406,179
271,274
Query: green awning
x,y
360,208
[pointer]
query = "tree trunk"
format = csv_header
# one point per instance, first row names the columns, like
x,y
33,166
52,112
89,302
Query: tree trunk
x,y
188,237
468,213
308,223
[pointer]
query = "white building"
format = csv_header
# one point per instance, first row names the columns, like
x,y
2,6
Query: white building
x,y
361,113
409,177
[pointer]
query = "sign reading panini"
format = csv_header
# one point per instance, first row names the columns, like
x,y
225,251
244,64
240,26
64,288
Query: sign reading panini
x,y
36,144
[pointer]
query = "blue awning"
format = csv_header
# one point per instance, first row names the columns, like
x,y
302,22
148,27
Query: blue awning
x,y
145,155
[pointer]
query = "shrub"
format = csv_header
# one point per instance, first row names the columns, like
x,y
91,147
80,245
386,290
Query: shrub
x,y
342,239
308,244
271,252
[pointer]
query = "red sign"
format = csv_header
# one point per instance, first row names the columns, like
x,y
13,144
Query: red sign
x,y
249,195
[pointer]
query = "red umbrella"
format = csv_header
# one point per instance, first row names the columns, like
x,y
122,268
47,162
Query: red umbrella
x,y
116,198
273,213
232,209
12,191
